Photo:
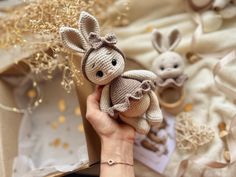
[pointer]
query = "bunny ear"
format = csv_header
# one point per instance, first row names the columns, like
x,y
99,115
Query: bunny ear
x,y
157,41
88,24
73,39
173,39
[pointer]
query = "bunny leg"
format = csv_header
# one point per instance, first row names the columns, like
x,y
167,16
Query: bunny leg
x,y
154,114
138,123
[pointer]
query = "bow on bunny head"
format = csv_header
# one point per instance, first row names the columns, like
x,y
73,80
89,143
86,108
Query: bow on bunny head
x,y
168,64
102,60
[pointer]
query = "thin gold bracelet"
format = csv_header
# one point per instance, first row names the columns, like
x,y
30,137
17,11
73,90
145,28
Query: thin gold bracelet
x,y
112,162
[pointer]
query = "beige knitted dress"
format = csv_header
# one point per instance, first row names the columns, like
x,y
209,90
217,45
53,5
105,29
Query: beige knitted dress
x,y
128,96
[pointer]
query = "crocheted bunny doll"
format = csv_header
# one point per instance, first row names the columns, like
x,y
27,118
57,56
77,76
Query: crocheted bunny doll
x,y
169,65
128,95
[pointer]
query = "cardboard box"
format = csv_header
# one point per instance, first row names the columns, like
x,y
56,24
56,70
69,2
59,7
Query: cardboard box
x,y
10,121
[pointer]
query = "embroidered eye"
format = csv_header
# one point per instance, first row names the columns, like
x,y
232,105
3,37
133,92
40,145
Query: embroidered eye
x,y
176,66
99,74
162,68
114,62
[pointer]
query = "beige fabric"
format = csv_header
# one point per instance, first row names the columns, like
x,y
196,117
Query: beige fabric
x,y
210,106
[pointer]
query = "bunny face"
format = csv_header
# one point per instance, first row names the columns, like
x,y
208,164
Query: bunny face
x,y
102,61
168,65
104,65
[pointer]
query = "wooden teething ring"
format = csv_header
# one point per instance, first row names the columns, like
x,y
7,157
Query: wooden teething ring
x,y
173,107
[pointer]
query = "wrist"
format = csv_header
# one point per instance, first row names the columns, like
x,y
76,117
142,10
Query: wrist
x,y
117,150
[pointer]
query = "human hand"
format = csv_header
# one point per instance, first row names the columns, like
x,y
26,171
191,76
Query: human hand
x,y
117,139
105,126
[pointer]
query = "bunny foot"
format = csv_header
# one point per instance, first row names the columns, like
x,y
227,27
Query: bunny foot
x,y
154,114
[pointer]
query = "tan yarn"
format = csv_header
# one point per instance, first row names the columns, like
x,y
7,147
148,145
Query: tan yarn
x,y
129,94
189,135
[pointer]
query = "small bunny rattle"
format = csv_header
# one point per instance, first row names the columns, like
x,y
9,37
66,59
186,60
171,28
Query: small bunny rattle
x,y
127,94
169,67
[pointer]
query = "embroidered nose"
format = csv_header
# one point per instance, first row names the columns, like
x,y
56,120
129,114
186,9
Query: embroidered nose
x,y
110,71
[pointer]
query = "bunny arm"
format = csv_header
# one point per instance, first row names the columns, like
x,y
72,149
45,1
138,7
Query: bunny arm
x,y
140,75
105,102
154,114
140,124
